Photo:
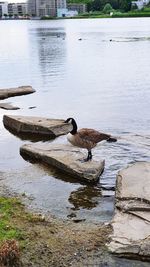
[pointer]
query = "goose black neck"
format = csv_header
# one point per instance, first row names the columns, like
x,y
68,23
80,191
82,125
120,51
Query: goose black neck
x,y
74,130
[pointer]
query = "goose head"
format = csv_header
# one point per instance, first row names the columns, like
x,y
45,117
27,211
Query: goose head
x,y
74,125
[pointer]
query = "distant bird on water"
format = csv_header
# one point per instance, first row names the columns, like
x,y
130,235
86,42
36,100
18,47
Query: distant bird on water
x,y
86,138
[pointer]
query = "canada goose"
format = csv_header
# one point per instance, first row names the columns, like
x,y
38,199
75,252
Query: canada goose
x,y
86,138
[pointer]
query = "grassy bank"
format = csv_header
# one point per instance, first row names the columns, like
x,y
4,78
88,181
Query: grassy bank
x,y
14,234
116,14
32,240
130,14
10,209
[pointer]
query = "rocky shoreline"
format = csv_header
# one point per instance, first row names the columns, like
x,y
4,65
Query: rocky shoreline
x,y
67,243
49,241
131,222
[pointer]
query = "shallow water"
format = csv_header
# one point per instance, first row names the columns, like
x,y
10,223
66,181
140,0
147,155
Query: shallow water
x,y
101,80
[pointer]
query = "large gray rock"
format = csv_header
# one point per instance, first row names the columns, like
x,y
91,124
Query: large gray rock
x,y
21,90
131,222
36,125
66,158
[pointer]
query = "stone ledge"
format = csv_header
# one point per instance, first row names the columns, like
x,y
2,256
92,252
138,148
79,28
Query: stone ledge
x,y
65,158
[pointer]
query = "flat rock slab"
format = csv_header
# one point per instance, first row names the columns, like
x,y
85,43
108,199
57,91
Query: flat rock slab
x,y
65,158
36,125
8,106
21,90
134,182
131,222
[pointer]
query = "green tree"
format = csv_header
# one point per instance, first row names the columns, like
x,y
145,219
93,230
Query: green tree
x,y
125,5
96,5
114,3
134,7
5,15
107,8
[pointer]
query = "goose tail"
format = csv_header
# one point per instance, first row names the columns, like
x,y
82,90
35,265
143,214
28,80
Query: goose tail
x,y
112,139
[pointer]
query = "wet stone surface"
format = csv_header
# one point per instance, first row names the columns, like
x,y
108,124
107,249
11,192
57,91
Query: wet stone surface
x,y
66,158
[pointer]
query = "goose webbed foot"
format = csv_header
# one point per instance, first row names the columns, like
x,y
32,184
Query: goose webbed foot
x,y
89,157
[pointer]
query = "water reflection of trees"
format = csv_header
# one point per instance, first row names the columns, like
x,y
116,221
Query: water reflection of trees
x,y
85,197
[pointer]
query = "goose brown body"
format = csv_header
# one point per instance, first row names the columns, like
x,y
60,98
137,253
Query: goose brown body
x,y
86,138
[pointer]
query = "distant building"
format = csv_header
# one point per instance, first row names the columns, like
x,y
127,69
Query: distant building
x,y
12,9
61,12
140,3
61,4
22,8
3,9
64,12
80,8
31,7
17,9
35,8
45,8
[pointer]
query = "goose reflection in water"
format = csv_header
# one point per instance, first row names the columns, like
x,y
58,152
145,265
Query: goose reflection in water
x,y
85,198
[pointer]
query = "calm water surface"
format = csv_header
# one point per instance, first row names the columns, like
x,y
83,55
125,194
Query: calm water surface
x,y
102,81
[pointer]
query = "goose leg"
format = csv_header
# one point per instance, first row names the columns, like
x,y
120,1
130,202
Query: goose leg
x,y
89,157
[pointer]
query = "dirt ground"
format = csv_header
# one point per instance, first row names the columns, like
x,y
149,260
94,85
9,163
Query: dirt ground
x,y
49,242
63,244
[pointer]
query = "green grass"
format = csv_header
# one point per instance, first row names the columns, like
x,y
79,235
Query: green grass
x,y
9,210
131,14
117,14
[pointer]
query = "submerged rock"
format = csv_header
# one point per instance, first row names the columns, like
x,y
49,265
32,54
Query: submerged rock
x,y
36,125
8,106
21,90
131,222
65,158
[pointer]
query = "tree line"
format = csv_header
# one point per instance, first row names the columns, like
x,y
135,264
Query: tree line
x,y
98,5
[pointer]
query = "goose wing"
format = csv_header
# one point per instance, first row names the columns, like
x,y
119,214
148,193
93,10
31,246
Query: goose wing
x,y
92,135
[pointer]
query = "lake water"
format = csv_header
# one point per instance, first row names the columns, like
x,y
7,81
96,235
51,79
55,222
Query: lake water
x,y
101,80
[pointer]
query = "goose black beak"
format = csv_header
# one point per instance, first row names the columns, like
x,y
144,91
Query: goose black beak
x,y
67,120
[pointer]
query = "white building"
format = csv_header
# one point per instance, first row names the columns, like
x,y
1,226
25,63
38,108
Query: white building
x,y
3,9
81,8
140,3
12,9
64,12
